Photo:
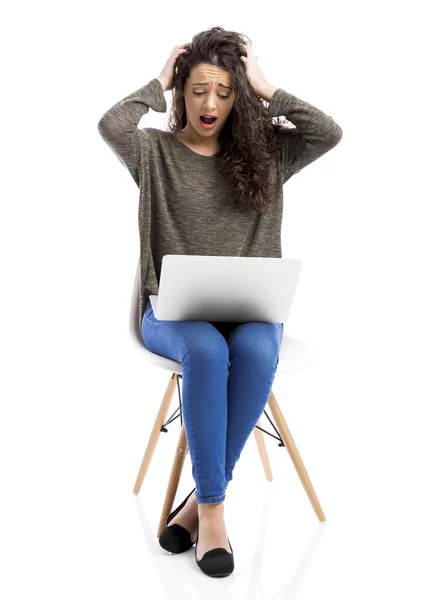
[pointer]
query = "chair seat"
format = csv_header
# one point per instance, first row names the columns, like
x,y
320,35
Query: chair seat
x,y
294,355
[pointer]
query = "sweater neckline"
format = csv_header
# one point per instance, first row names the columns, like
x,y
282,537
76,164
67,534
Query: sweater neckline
x,y
192,152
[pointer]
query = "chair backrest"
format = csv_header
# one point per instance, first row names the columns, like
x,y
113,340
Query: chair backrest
x,y
134,309
161,361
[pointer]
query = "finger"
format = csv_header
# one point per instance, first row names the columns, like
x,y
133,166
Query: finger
x,y
177,51
249,51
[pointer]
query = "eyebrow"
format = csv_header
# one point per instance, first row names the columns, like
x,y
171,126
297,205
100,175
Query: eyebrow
x,y
220,84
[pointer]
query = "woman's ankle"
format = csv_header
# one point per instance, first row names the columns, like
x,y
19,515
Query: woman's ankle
x,y
205,509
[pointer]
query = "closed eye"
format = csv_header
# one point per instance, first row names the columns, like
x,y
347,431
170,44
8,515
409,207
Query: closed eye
x,y
201,94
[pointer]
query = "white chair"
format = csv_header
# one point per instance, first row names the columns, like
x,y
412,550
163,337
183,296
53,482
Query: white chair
x,y
292,357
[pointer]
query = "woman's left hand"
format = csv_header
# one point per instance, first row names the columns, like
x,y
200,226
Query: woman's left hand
x,y
253,72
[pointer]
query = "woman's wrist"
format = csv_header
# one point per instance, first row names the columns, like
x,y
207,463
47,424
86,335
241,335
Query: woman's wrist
x,y
162,82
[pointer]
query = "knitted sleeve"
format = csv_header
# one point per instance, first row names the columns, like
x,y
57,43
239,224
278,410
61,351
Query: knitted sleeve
x,y
119,125
314,134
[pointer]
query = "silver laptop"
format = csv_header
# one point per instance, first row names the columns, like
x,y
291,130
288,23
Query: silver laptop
x,y
225,288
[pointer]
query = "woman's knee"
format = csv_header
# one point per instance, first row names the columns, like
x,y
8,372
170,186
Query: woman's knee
x,y
256,340
206,343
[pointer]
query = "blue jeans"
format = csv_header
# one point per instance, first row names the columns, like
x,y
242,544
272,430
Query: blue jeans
x,y
227,373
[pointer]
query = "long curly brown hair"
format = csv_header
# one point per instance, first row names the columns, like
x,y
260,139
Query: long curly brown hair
x,y
249,140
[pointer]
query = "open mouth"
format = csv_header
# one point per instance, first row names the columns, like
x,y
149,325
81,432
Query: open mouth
x,y
208,120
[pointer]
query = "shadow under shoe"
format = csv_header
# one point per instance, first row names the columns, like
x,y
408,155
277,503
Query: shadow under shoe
x,y
176,538
217,562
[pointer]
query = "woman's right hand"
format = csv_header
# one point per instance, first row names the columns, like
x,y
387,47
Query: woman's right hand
x,y
167,73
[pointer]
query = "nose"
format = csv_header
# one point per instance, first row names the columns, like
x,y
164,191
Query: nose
x,y
210,102
209,108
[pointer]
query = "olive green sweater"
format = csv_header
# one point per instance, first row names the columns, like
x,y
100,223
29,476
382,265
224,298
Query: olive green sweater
x,y
183,207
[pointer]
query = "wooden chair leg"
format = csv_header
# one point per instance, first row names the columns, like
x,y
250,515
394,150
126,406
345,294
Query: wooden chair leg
x,y
177,467
261,445
295,456
155,433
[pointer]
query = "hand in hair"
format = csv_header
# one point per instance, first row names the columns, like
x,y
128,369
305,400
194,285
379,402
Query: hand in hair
x,y
254,74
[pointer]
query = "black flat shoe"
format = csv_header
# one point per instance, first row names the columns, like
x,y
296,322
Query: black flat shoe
x,y
217,562
175,538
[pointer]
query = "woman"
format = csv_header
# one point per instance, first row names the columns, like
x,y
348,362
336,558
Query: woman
x,y
213,185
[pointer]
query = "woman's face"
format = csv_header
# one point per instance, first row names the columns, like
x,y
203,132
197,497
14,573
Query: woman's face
x,y
208,90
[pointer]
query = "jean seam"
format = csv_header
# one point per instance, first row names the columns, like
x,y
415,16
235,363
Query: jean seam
x,y
211,499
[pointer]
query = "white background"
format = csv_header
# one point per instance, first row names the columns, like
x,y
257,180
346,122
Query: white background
x,y
78,401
